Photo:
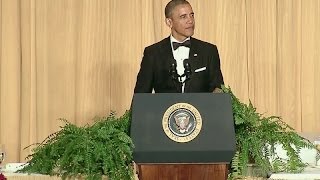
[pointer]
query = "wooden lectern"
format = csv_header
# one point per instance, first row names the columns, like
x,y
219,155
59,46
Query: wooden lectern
x,y
182,136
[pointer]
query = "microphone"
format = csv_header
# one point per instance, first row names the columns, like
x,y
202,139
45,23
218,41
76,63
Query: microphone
x,y
173,71
187,69
174,75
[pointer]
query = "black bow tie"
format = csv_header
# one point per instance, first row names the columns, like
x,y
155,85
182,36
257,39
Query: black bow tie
x,y
186,43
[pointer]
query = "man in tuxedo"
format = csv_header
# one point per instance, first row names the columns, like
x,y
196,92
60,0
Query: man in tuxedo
x,y
180,63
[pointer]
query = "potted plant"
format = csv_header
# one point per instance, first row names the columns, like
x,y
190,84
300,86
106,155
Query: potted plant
x,y
89,152
258,136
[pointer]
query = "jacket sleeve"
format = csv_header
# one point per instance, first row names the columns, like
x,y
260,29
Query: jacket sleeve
x,y
215,74
144,83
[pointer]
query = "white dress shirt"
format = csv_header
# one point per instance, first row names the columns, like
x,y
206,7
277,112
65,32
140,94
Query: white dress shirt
x,y
179,55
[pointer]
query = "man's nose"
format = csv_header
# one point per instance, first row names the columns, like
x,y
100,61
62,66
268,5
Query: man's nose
x,y
190,19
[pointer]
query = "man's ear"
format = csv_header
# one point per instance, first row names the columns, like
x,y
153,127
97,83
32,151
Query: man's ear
x,y
169,22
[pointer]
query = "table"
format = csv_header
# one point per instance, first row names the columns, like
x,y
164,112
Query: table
x,y
309,173
19,176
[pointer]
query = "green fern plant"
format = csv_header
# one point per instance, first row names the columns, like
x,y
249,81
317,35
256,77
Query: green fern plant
x,y
257,137
90,151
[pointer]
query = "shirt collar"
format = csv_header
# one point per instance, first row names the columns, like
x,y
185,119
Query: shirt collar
x,y
172,39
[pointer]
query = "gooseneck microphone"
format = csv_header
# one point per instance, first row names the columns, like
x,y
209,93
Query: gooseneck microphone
x,y
173,71
174,75
187,69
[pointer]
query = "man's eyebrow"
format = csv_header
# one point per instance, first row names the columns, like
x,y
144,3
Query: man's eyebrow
x,y
183,15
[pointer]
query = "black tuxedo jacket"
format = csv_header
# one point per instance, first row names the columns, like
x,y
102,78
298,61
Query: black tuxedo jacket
x,y
158,58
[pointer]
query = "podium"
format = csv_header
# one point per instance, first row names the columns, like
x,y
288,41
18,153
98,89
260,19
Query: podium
x,y
182,136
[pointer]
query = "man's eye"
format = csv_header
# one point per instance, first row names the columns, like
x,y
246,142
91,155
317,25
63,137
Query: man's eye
x,y
183,16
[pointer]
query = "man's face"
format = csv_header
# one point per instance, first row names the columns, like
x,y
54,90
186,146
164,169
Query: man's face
x,y
181,22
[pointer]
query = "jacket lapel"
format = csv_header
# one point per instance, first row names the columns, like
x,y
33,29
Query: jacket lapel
x,y
193,60
167,51
193,54
167,54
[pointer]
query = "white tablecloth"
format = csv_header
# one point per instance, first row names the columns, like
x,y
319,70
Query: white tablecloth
x,y
308,174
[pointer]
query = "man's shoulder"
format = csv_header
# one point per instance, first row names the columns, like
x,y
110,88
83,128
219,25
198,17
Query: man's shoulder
x,y
202,43
162,43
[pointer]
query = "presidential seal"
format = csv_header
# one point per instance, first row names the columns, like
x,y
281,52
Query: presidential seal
x,y
182,122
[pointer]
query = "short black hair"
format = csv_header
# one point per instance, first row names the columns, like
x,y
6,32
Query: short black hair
x,y
171,5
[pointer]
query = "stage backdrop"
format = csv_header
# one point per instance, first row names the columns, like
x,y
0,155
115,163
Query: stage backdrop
x,y
77,59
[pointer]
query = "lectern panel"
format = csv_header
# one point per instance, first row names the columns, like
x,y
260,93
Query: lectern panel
x,y
156,138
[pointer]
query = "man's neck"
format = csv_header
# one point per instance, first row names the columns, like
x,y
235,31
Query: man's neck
x,y
173,39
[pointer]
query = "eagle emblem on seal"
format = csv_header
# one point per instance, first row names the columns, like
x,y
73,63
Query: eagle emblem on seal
x,y
182,120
